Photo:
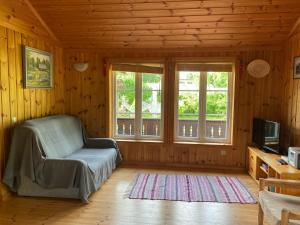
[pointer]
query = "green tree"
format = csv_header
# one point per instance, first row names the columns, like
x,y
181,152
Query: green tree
x,y
216,105
217,79
188,107
126,88
216,101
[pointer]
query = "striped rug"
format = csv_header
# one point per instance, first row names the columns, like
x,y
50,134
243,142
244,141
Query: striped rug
x,y
190,188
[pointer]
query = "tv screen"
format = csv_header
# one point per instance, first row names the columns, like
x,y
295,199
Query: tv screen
x,y
271,136
266,135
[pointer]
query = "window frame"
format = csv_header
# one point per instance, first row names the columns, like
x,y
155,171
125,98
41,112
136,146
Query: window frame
x,y
138,107
201,138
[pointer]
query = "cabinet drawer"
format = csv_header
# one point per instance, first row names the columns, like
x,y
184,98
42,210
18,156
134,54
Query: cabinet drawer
x,y
252,171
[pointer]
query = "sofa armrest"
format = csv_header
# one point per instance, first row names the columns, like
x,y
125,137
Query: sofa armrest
x,y
101,143
64,173
60,172
278,183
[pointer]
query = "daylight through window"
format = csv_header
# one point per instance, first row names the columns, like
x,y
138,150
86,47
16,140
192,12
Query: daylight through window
x,y
203,102
138,101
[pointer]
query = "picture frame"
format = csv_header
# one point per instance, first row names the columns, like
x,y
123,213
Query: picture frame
x,y
297,67
37,68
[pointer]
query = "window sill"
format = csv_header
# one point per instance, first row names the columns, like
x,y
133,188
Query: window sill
x,y
202,143
176,142
139,141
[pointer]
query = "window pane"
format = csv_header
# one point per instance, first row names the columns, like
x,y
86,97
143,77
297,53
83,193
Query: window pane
x,y
125,102
189,81
217,80
151,104
125,80
216,114
188,104
203,106
216,105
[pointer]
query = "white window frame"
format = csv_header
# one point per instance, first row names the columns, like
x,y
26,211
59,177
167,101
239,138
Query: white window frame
x,y
202,109
138,111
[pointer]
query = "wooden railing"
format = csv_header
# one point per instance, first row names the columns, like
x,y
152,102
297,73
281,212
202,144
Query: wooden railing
x,y
187,128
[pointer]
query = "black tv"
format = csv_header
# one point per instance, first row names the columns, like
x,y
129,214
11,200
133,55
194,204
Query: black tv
x,y
265,135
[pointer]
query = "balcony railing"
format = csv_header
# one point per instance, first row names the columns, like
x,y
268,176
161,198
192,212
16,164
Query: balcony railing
x,y
187,128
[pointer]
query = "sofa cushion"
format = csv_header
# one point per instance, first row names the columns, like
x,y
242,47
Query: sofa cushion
x,y
59,135
100,161
273,203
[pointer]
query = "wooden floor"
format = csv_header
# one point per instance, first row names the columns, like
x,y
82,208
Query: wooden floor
x,y
108,206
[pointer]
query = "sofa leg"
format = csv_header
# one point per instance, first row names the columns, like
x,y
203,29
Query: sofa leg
x,y
260,215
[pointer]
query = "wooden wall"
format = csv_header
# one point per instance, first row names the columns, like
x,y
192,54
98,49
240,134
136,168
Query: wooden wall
x,y
86,97
15,101
291,94
16,15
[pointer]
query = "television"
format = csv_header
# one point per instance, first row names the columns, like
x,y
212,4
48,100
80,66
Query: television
x,y
265,135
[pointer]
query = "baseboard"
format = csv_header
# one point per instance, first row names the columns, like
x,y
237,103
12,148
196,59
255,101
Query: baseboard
x,y
180,166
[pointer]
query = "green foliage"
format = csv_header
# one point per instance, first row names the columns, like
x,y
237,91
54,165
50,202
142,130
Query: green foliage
x,y
188,105
151,78
126,88
147,79
37,71
216,104
217,79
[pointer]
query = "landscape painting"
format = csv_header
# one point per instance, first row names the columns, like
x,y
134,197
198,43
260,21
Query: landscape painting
x,y
297,67
37,68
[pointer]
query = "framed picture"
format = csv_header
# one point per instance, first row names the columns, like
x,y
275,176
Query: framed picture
x,y
37,68
297,67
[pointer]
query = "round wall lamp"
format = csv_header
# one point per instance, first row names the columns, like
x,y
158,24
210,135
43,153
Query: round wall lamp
x,y
258,68
81,67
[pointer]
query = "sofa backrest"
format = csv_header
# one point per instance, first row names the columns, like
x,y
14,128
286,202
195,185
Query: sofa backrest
x,y
59,135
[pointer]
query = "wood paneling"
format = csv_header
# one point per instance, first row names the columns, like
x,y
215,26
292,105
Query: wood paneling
x,y
21,28
16,15
86,97
169,24
291,94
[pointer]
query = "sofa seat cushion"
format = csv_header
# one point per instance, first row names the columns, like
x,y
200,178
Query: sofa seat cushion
x,y
273,203
101,162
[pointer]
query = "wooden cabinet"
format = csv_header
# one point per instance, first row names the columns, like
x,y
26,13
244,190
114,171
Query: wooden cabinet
x,y
264,165
252,165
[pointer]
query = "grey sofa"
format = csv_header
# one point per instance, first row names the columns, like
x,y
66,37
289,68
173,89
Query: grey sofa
x,y
53,157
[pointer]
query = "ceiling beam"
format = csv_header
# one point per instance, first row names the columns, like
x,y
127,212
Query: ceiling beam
x,y
37,15
296,24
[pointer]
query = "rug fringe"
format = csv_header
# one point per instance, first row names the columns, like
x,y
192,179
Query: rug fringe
x,y
130,186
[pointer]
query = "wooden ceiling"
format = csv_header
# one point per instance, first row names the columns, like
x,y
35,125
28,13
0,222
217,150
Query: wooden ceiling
x,y
169,23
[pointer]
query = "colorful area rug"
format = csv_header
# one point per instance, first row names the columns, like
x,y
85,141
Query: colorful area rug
x,y
190,188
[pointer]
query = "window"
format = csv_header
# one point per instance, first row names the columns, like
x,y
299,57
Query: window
x,y
203,102
138,101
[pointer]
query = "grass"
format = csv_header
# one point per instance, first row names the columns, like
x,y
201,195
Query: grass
x,y
38,83
34,82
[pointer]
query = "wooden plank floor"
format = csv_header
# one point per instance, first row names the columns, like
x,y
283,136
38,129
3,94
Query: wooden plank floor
x,y
108,206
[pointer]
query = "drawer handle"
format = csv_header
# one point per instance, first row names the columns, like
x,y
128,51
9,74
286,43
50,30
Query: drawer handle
x,y
251,157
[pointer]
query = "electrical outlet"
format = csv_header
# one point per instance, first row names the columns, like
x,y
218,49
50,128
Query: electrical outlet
x,y
223,153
